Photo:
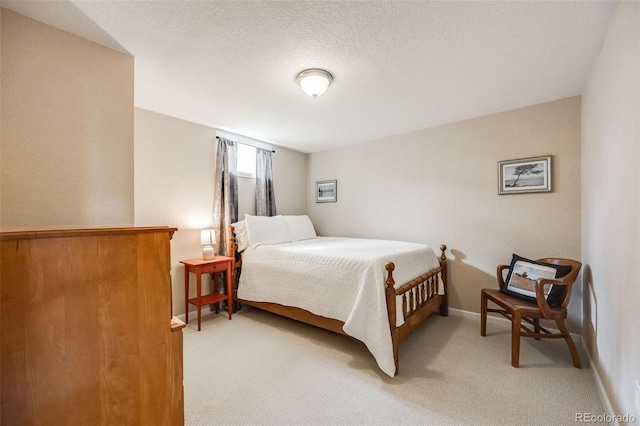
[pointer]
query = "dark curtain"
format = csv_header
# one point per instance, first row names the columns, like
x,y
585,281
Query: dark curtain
x,y
265,197
225,196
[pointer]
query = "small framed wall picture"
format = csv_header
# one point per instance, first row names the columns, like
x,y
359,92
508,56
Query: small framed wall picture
x,y
327,191
525,175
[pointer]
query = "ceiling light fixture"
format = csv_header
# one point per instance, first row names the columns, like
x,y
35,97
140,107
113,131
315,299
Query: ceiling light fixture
x,y
314,82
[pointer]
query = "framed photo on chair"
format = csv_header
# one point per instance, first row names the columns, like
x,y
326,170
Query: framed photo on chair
x,y
523,275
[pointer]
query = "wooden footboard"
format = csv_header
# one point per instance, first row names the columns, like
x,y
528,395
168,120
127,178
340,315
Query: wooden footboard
x,y
420,298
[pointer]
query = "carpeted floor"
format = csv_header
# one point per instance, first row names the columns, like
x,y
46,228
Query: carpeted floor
x,y
262,369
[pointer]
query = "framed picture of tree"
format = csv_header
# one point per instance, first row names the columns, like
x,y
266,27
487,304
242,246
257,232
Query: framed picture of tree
x,y
524,175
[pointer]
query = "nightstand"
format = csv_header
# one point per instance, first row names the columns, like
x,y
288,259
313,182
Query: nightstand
x,y
207,266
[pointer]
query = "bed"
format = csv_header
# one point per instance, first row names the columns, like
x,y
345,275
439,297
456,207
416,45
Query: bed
x,y
376,291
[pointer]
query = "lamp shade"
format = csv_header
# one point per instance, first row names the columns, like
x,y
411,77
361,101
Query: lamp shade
x,y
314,82
207,237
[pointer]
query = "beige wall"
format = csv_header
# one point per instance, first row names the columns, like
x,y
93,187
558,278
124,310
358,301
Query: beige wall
x,y
174,177
439,185
290,181
611,210
67,129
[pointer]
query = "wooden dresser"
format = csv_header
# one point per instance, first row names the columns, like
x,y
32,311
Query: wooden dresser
x,y
87,335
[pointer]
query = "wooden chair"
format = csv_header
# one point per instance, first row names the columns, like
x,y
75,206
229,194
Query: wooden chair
x,y
517,310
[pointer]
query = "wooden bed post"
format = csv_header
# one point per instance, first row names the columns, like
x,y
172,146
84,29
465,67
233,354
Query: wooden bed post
x,y
231,252
444,308
390,292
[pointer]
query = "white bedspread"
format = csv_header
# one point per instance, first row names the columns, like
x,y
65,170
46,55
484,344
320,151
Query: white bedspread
x,y
339,278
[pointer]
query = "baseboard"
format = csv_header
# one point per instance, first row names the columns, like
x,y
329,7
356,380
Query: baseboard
x,y
602,393
476,316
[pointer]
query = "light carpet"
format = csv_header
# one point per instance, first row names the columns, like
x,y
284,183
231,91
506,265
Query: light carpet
x,y
262,369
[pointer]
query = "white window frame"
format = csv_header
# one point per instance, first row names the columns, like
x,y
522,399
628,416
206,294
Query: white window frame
x,y
243,150
244,140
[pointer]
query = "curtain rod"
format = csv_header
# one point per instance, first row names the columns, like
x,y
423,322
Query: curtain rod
x,y
218,137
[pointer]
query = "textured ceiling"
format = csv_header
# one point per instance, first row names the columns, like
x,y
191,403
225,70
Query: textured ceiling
x,y
397,66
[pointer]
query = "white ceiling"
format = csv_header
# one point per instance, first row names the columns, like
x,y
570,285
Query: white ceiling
x,y
397,66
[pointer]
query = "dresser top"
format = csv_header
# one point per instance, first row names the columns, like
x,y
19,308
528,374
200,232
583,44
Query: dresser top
x,y
85,232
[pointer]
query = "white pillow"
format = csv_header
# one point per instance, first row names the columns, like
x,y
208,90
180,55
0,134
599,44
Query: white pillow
x,y
242,237
266,230
300,227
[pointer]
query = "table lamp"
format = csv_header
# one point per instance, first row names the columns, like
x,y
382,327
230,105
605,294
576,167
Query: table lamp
x,y
207,239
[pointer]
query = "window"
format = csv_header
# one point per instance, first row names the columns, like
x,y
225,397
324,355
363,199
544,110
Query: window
x,y
246,161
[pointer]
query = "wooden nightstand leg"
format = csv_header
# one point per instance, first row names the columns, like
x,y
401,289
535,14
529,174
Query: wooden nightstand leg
x,y
186,294
215,290
199,296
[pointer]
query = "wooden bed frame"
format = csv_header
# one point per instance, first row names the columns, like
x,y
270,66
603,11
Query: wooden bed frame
x,y
420,299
